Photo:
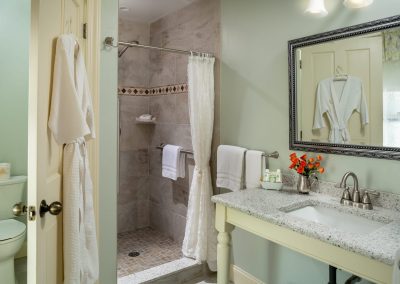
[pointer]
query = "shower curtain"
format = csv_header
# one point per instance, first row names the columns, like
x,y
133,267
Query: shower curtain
x,y
200,240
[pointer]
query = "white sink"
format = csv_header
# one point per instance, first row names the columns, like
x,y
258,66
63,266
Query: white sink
x,y
336,219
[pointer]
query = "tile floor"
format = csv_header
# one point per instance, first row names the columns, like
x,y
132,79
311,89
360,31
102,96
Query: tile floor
x,y
154,247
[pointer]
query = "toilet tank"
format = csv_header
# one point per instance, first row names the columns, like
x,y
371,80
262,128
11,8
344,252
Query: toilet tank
x,y
12,191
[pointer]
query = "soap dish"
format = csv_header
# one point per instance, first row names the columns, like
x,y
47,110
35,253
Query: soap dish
x,y
146,121
271,185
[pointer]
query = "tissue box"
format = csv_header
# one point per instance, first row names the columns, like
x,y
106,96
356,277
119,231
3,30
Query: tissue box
x,y
5,169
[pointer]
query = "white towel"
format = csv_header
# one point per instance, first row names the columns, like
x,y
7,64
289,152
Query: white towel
x,y
230,167
173,162
396,268
254,168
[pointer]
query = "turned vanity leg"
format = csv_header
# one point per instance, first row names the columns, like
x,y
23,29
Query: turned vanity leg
x,y
224,243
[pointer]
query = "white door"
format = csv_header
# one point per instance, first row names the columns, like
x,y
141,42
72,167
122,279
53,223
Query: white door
x,y
361,58
49,19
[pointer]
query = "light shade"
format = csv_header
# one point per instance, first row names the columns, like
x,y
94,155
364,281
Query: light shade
x,y
356,4
317,7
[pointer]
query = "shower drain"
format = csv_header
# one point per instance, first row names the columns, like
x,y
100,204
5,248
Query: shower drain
x,y
134,253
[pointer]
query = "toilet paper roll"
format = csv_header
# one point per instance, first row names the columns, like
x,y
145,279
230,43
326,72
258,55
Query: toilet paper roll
x,y
5,170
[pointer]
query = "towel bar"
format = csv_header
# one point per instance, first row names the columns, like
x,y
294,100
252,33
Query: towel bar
x,y
274,155
162,145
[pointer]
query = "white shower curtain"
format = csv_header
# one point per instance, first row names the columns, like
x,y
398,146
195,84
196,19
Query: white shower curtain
x,y
200,240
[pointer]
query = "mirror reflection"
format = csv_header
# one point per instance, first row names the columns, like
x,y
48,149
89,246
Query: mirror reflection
x,y
348,90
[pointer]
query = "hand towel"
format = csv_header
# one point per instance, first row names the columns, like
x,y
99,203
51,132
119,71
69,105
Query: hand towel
x,y
396,268
230,167
173,162
254,168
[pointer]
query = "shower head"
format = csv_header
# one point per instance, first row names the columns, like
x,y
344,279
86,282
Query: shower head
x,y
124,49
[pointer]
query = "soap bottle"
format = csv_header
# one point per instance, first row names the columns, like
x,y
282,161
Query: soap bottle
x,y
272,176
266,175
278,176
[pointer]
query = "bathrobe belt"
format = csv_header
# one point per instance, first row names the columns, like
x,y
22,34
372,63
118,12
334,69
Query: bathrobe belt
x,y
339,135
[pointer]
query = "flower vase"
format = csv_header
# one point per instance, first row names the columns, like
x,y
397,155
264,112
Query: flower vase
x,y
303,184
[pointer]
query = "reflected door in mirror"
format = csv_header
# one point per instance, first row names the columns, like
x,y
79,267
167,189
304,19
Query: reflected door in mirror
x,y
359,59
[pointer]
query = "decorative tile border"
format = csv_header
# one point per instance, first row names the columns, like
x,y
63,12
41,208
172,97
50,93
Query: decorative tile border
x,y
155,91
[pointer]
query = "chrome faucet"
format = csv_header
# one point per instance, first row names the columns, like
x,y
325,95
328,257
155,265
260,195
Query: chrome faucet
x,y
347,198
355,199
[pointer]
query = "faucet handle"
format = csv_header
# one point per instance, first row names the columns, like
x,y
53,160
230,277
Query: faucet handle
x,y
366,201
346,197
372,192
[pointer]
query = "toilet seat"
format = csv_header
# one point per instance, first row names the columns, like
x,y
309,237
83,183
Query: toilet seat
x,y
10,229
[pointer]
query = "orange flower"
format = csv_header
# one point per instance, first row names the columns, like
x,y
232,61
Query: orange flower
x,y
317,164
310,165
294,159
311,160
293,155
321,170
304,157
300,170
319,158
303,164
292,165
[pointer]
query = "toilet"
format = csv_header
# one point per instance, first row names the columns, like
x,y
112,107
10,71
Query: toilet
x,y
12,231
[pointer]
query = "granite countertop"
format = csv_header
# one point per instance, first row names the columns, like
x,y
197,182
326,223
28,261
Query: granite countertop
x,y
270,206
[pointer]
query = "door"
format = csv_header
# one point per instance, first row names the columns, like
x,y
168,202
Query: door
x,y
362,59
49,19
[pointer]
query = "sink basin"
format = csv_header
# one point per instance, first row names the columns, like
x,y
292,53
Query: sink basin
x,y
336,219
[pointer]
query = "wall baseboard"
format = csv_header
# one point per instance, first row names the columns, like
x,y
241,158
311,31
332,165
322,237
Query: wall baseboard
x,y
239,276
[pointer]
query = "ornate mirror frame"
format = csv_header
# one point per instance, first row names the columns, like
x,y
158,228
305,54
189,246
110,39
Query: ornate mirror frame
x,y
331,148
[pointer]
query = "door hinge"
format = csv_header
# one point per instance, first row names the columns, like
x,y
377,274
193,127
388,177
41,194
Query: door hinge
x,y
301,64
31,213
84,30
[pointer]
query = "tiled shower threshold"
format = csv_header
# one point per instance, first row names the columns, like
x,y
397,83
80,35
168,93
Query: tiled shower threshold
x,y
181,269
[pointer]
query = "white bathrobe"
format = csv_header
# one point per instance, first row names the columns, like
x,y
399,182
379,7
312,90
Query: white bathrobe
x,y
339,106
71,122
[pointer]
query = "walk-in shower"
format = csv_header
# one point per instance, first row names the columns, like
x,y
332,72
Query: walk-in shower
x,y
153,60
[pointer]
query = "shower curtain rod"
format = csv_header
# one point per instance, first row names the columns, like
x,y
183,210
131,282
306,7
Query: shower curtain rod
x,y
109,41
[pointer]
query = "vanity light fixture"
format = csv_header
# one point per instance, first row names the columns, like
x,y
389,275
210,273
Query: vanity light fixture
x,y
317,7
356,4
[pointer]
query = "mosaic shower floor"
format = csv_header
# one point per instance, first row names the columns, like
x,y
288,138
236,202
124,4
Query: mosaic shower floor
x,y
154,249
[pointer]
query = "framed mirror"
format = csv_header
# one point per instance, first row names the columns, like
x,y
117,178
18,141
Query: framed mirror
x,y
345,91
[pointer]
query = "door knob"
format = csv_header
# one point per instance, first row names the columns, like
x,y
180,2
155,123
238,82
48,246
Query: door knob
x,y
19,209
54,208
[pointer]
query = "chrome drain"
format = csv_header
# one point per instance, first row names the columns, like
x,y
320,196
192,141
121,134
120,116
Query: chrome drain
x,y
134,254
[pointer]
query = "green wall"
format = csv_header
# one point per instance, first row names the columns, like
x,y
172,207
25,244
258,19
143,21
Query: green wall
x,y
14,50
108,136
255,111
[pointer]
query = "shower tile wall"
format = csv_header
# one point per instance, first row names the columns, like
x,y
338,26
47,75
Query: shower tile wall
x,y
142,188
133,197
195,27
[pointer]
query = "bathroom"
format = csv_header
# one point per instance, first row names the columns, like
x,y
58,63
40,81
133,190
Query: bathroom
x,y
136,209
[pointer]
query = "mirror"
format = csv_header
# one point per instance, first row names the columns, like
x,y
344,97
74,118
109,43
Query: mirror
x,y
345,91
14,77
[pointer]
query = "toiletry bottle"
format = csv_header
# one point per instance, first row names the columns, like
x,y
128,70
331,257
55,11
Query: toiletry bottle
x,y
266,176
278,175
272,176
